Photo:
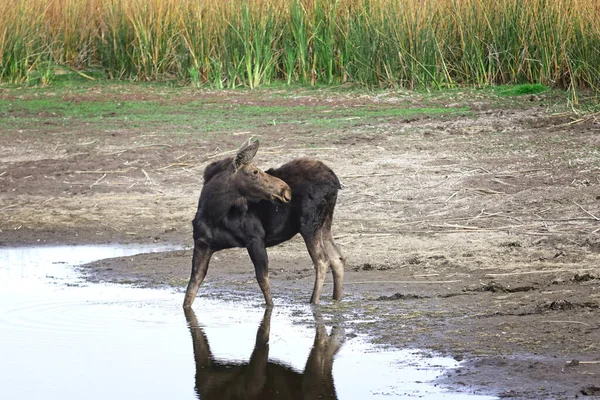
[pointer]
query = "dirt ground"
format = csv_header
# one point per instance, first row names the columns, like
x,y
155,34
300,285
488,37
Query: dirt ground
x,y
474,234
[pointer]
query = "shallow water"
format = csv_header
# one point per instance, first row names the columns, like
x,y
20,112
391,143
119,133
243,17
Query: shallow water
x,y
61,337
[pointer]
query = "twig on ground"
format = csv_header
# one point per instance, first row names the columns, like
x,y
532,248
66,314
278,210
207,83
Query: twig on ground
x,y
175,165
577,362
401,282
566,322
98,181
458,227
118,171
476,167
586,211
502,182
83,153
370,175
314,148
390,201
538,233
138,147
148,180
525,171
579,120
453,194
363,234
484,190
542,219
478,228
550,271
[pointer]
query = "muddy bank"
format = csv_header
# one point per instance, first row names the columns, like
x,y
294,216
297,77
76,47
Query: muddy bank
x,y
472,233
515,336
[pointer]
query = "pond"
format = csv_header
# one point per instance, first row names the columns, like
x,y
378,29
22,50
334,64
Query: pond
x,y
62,337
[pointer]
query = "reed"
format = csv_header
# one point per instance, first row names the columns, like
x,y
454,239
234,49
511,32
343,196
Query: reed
x,y
230,43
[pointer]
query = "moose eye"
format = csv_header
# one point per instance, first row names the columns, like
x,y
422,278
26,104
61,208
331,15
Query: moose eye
x,y
255,172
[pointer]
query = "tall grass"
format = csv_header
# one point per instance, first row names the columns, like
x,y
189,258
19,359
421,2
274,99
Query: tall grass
x,y
229,43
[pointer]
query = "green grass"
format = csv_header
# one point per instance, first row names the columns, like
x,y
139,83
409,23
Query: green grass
x,y
518,90
108,105
196,116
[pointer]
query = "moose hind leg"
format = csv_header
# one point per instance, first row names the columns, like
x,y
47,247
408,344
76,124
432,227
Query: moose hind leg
x,y
258,255
338,263
200,261
320,261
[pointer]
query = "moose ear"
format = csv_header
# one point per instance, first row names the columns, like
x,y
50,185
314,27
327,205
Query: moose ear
x,y
246,153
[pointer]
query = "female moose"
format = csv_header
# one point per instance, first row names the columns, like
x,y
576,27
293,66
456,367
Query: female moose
x,y
242,206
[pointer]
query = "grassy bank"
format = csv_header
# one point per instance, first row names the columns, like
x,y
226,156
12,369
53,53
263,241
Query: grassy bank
x,y
112,106
388,43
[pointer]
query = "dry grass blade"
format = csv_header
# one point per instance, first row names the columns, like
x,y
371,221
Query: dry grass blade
x,y
484,190
550,271
586,211
566,322
118,171
574,363
148,180
502,182
137,147
371,175
221,154
182,165
398,282
98,181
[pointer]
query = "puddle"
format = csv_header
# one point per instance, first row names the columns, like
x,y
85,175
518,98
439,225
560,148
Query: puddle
x,y
61,337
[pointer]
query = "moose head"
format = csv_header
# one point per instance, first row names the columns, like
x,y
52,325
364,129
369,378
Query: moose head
x,y
253,183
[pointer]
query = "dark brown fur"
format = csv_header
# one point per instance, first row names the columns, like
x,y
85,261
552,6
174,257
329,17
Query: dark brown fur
x,y
241,206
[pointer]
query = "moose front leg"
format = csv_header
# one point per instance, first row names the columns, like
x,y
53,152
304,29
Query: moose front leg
x,y
200,260
258,255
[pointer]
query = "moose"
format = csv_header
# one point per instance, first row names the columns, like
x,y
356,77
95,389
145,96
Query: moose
x,y
261,378
243,206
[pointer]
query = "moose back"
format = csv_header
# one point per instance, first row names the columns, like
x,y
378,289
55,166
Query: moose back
x,y
243,206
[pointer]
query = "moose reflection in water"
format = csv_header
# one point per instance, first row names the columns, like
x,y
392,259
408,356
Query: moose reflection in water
x,y
260,378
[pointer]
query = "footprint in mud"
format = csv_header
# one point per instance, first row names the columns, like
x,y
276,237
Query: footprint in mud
x,y
590,391
495,287
565,305
400,296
